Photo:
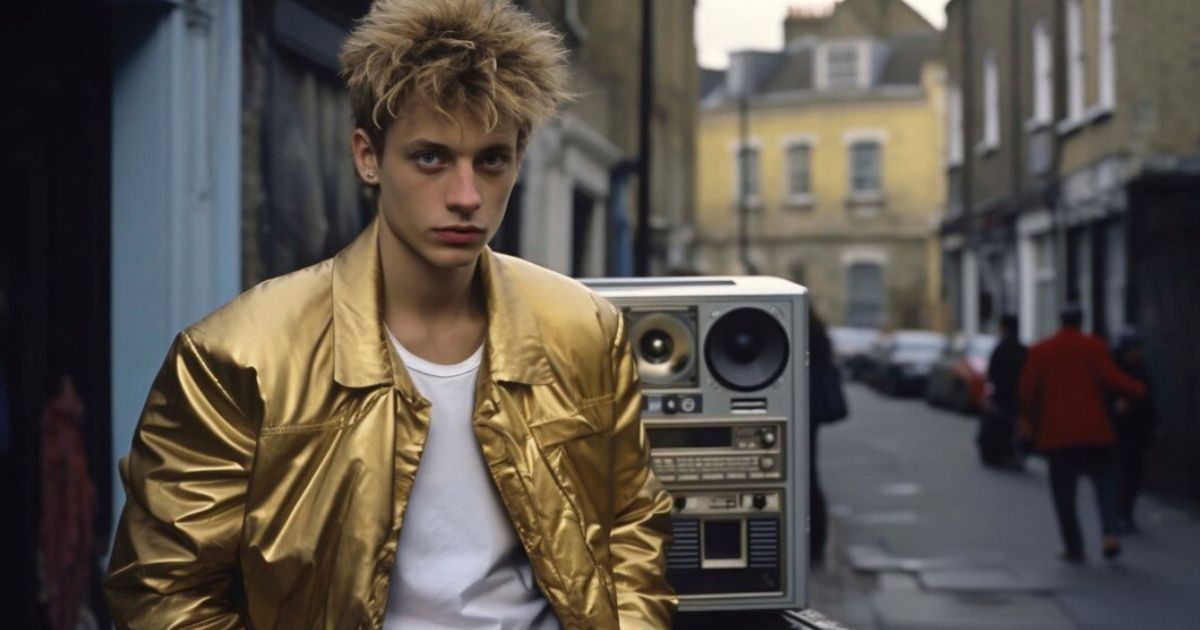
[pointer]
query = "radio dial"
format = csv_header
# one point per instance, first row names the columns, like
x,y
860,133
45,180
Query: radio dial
x,y
759,501
766,462
767,437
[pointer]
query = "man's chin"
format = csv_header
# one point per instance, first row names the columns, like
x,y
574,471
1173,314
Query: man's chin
x,y
451,259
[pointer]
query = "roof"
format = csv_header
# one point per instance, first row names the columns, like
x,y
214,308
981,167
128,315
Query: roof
x,y
896,61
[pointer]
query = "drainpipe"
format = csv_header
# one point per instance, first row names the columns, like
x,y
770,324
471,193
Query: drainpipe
x,y
641,245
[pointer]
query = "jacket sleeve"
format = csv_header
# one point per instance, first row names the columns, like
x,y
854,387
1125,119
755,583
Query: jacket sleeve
x,y
642,526
1112,377
174,559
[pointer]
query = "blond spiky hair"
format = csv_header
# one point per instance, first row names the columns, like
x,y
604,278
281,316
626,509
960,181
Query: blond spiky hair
x,y
486,55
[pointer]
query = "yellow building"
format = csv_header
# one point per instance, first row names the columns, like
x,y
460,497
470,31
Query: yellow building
x,y
843,152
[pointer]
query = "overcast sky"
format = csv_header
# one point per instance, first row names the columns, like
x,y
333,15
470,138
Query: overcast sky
x,y
725,25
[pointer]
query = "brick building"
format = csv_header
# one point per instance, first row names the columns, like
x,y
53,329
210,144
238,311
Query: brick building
x,y
1073,175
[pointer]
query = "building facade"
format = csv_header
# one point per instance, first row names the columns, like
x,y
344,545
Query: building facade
x,y
1073,175
831,146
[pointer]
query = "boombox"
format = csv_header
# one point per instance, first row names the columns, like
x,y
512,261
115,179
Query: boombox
x,y
723,362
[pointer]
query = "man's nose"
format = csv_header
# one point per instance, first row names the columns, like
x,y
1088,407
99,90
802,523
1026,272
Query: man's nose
x,y
463,195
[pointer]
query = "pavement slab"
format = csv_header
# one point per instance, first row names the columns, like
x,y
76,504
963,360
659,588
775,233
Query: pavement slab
x,y
943,611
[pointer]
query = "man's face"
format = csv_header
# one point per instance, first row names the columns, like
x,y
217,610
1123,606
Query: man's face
x,y
443,182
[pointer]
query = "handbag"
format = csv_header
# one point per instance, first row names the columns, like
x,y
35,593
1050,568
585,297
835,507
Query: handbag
x,y
828,401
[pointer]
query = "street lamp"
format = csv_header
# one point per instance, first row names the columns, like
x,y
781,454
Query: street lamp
x,y
741,79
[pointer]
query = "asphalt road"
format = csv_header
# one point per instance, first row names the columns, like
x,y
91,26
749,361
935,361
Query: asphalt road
x,y
924,537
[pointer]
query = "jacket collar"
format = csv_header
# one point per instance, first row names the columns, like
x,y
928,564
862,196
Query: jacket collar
x,y
362,352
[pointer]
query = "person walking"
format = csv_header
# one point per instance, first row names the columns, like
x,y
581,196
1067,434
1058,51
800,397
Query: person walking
x,y
1062,399
1135,421
998,422
827,404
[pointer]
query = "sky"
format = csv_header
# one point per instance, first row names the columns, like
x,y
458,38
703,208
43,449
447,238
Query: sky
x,y
725,25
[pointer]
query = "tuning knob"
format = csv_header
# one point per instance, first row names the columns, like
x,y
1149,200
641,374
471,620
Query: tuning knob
x,y
759,501
680,503
767,437
766,462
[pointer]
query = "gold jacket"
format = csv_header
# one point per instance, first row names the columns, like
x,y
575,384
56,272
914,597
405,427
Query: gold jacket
x,y
272,463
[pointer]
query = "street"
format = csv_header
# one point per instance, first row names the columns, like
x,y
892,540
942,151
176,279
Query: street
x,y
923,537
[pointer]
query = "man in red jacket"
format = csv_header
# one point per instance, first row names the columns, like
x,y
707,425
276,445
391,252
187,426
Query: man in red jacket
x,y
1062,400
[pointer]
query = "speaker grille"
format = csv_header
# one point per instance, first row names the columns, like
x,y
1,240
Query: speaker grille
x,y
684,552
764,543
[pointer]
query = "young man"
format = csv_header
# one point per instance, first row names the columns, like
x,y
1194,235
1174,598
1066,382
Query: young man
x,y
417,433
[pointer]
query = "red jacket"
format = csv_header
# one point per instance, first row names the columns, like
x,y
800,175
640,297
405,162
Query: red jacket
x,y
1062,390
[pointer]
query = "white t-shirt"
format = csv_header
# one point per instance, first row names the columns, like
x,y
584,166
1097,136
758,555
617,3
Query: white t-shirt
x,y
459,563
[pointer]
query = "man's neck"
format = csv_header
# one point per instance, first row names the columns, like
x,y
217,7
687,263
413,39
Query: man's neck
x,y
437,314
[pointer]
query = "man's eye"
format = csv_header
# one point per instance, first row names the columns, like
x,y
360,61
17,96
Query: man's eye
x,y
428,158
494,160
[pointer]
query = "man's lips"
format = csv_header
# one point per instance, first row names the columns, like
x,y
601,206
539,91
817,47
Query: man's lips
x,y
460,234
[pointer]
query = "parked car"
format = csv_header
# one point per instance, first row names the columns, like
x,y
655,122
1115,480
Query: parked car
x,y
851,346
958,379
899,363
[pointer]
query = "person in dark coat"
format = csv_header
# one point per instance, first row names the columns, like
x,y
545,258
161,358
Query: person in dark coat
x,y
1062,400
1135,421
998,423
827,404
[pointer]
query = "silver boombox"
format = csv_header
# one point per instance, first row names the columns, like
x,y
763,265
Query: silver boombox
x,y
723,368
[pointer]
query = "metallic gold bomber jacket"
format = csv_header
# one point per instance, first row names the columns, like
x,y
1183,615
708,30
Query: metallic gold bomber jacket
x,y
272,463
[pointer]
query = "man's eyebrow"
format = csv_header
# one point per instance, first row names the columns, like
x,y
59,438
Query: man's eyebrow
x,y
422,143
425,144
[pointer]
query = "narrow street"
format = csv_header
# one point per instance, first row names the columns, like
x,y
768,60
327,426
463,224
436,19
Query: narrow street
x,y
923,537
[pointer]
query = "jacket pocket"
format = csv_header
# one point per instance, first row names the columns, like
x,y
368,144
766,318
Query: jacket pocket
x,y
559,430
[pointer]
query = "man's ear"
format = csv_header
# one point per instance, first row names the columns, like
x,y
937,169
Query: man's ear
x,y
366,160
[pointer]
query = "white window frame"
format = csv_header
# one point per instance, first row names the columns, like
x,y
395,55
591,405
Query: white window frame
x,y
794,199
954,122
990,133
754,200
862,54
1076,61
1043,77
849,139
1107,65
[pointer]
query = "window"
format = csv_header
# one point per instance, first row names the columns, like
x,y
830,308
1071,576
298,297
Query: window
x,y
799,174
841,66
1043,75
1108,90
1076,62
864,167
747,175
991,102
954,131
864,295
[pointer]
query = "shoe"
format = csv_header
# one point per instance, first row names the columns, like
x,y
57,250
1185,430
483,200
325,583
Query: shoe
x,y
1112,546
1073,557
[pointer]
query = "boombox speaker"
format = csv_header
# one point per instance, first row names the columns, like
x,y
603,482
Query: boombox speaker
x,y
723,364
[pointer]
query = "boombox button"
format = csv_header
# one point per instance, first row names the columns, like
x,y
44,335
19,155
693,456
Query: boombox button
x,y
758,475
666,477
713,476
735,475
670,404
689,477
688,404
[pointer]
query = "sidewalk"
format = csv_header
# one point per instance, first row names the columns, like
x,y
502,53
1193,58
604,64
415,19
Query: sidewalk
x,y
924,537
